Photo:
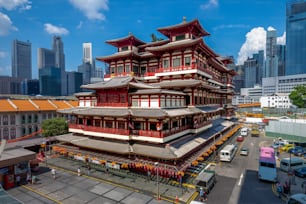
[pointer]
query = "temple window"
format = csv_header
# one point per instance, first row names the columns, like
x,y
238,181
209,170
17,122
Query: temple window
x,y
125,48
165,63
176,62
187,61
109,124
135,69
112,69
175,124
120,69
127,68
121,125
142,70
179,37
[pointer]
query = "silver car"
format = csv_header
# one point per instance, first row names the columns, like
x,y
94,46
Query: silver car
x,y
244,151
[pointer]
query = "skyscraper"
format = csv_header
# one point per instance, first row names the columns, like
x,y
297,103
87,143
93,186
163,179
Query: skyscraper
x,y
87,53
45,58
271,66
58,49
296,37
281,55
21,59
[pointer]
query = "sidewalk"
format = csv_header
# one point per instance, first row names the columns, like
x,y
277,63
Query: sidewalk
x,y
142,183
294,182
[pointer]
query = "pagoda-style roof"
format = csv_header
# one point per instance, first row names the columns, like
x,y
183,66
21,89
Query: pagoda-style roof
x,y
118,55
175,45
194,26
157,91
84,94
156,43
125,41
178,83
117,82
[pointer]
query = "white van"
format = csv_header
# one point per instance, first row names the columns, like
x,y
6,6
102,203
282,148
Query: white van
x,y
296,163
299,198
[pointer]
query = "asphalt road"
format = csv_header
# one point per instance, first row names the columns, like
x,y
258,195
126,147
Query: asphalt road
x,y
237,181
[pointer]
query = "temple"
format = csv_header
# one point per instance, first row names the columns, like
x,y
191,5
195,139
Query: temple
x,y
165,101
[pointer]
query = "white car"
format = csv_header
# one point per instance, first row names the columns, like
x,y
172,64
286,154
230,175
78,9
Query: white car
x,y
244,151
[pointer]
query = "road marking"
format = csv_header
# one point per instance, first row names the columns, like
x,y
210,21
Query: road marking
x,y
240,179
43,195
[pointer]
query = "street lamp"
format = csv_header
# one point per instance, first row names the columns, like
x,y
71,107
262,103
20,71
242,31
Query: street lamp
x,y
157,182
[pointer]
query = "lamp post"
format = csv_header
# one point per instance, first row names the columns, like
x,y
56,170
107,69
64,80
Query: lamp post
x,y
157,179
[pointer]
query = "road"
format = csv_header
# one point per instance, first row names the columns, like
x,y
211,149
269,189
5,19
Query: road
x,y
237,181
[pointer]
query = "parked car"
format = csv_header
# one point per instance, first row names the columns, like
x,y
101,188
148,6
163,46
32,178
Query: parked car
x,y
301,172
240,138
297,151
277,145
244,151
287,147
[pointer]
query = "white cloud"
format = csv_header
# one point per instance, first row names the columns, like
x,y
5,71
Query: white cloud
x,y
80,25
270,28
51,29
139,21
91,8
6,25
255,41
209,4
3,54
13,4
282,39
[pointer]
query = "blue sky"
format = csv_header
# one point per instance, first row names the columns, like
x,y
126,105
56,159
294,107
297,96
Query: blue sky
x,y
237,27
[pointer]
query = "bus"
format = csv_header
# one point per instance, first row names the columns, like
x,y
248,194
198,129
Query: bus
x,y
244,131
267,164
228,152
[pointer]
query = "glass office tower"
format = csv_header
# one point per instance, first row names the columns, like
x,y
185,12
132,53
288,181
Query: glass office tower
x,y
296,37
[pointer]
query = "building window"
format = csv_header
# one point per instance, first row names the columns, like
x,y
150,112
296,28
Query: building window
x,y
135,69
5,120
123,98
30,118
13,121
120,69
187,61
121,125
13,133
127,68
35,118
125,48
165,63
109,124
6,133
176,62
179,37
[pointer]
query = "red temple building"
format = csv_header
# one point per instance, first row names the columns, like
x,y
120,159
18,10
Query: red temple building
x,y
165,101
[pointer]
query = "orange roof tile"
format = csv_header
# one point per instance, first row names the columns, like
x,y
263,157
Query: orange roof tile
x,y
24,105
73,103
61,104
44,105
5,106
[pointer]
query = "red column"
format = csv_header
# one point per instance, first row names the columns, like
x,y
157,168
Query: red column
x,y
149,98
159,100
192,97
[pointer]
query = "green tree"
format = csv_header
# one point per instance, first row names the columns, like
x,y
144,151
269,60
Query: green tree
x,y
54,126
298,96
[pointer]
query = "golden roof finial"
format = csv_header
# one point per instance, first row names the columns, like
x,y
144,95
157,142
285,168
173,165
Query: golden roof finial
x,y
184,19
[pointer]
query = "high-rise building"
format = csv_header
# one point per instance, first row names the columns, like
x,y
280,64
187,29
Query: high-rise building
x,y
271,66
260,58
58,49
50,81
281,55
87,53
250,72
74,82
45,58
296,37
21,59
30,87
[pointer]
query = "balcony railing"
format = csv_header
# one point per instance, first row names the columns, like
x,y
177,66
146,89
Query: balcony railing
x,y
107,130
113,104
